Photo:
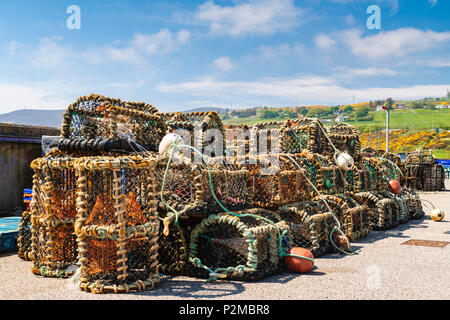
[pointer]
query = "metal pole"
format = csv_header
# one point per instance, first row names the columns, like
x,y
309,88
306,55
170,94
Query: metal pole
x,y
387,130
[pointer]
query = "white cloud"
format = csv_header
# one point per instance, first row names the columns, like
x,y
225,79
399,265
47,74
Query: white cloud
x,y
35,96
349,73
50,53
249,17
223,64
275,52
296,90
324,42
432,2
162,42
399,43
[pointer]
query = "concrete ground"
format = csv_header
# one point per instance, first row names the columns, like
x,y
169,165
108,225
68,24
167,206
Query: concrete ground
x,y
383,268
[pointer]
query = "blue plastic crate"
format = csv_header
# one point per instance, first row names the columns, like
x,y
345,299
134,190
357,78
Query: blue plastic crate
x,y
9,231
8,241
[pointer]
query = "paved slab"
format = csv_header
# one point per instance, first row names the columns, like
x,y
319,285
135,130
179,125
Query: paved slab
x,y
383,268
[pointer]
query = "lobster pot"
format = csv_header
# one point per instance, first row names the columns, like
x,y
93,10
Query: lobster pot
x,y
244,248
274,180
187,187
360,214
304,233
414,177
321,223
389,169
376,181
237,140
402,201
384,211
237,148
97,123
345,138
53,212
420,157
202,130
321,171
174,248
117,224
361,179
24,239
414,204
433,177
303,134
266,137
340,209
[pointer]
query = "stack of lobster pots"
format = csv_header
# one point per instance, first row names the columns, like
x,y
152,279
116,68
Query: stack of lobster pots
x,y
423,173
225,202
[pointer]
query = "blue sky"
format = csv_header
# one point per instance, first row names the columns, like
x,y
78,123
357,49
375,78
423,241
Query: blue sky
x,y
178,55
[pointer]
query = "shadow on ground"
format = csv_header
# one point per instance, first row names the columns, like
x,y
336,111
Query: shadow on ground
x,y
195,288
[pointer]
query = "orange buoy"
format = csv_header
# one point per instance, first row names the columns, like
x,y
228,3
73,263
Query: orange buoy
x,y
394,187
341,241
297,264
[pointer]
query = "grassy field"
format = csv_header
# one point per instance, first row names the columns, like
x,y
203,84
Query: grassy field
x,y
418,119
417,129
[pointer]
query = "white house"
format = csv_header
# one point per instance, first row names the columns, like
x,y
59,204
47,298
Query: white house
x,y
340,118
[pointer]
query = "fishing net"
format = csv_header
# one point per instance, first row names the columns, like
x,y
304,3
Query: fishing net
x,y
187,187
433,177
237,248
345,138
205,130
97,123
117,224
53,213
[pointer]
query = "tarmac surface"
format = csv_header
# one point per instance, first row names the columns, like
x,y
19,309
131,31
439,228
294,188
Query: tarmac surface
x,y
381,269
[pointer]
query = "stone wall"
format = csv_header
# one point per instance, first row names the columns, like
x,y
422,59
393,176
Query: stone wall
x,y
19,145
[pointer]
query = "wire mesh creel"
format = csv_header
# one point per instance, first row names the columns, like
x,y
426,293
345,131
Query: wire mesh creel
x,y
117,225
98,123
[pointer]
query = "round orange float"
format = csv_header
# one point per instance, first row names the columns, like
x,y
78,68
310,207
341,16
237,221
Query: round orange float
x,y
297,264
394,187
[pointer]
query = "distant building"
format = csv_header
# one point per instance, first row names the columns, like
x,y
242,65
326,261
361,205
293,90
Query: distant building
x,y
340,118
442,106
